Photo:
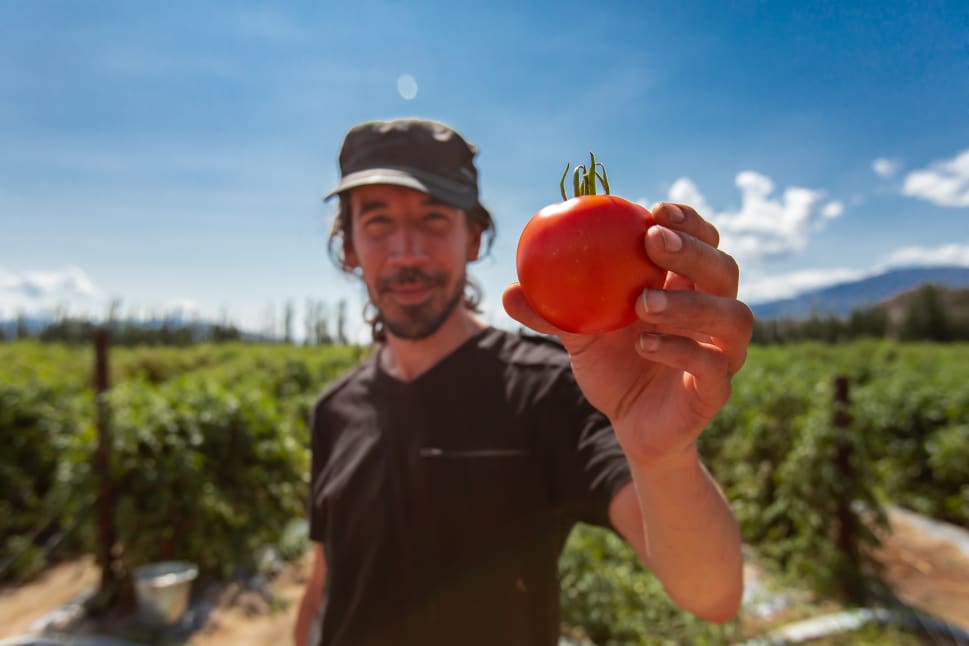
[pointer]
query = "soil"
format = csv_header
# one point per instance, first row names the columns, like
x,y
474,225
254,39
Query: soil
x,y
247,619
924,570
19,607
241,616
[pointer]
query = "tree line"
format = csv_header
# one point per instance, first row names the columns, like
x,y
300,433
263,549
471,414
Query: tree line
x,y
928,313
322,325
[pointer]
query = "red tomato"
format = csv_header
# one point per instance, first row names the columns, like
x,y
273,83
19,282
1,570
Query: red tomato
x,y
582,263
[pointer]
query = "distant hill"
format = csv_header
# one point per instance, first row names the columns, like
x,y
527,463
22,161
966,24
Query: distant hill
x,y
953,302
844,298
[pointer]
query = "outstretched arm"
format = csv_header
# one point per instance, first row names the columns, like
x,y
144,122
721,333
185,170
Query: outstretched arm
x,y
659,381
683,530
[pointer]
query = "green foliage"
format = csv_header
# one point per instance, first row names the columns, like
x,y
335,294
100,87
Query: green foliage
x,y
211,449
610,599
916,415
950,469
204,473
44,427
826,474
926,317
775,449
209,452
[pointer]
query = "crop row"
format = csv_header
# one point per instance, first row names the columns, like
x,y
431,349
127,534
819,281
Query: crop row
x,y
209,460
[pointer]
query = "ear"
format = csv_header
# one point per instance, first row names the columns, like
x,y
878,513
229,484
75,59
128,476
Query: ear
x,y
474,241
350,258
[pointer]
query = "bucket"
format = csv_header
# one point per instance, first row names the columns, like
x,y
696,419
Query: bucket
x,y
162,590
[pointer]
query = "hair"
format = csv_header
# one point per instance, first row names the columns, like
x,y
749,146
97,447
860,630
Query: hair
x,y
341,237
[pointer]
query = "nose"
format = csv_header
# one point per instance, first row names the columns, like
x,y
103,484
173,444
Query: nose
x,y
406,245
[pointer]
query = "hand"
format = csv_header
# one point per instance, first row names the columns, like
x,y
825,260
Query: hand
x,y
661,379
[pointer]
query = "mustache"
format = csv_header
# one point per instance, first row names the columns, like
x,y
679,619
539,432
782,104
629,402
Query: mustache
x,y
410,276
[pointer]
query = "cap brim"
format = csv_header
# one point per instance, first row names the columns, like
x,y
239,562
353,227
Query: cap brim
x,y
440,188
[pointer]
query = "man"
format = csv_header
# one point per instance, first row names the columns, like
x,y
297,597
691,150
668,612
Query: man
x,y
449,468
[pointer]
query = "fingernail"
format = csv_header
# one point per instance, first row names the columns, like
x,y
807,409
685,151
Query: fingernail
x,y
654,300
648,342
676,214
672,242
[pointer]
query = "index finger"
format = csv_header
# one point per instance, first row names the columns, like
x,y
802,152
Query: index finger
x,y
683,217
690,258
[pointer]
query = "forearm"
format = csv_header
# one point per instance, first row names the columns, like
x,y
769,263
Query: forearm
x,y
307,612
690,537
312,597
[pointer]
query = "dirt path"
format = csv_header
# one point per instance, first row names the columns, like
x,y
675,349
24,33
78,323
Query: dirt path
x,y
241,617
925,570
247,620
20,607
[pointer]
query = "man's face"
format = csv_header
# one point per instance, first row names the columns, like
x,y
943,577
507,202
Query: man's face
x,y
412,250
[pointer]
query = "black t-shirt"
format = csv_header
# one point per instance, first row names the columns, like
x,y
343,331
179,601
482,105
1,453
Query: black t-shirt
x,y
443,503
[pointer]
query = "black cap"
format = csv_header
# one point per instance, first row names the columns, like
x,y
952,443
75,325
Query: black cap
x,y
424,155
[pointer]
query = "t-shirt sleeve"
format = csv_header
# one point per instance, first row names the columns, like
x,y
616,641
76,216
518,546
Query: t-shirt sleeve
x,y
318,458
589,465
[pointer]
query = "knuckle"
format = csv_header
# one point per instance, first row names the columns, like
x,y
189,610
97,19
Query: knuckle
x,y
732,270
714,235
743,361
692,244
690,212
746,316
720,364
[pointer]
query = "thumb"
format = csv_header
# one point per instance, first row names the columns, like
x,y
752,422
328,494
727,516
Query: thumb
x,y
517,307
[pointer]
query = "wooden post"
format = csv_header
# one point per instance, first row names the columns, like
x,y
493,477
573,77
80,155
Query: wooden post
x,y
102,463
847,537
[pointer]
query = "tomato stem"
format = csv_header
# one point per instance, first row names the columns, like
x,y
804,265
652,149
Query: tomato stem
x,y
562,182
605,182
584,178
577,181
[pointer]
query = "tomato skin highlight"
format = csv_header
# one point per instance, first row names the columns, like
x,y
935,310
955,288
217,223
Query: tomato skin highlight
x,y
582,263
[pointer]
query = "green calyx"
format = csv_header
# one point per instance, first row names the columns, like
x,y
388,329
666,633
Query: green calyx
x,y
584,178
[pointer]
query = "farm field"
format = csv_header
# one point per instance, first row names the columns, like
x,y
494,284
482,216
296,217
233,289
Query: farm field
x,y
809,476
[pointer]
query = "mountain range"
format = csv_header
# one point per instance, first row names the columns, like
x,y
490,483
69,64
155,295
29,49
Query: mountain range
x,y
843,298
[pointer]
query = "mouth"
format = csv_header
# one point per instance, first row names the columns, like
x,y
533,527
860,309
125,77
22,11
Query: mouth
x,y
410,286
409,294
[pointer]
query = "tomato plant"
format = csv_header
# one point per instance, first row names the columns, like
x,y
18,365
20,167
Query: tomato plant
x,y
582,262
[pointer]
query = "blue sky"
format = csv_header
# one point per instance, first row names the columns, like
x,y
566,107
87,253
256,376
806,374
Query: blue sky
x,y
174,154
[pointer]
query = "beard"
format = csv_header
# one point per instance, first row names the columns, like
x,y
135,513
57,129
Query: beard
x,y
418,322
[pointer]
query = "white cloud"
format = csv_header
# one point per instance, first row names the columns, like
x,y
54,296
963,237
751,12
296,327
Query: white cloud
x,y
949,254
759,286
39,284
944,183
766,225
768,287
70,291
833,210
885,167
37,291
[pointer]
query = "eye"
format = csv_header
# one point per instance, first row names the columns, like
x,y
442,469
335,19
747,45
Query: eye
x,y
376,222
436,220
